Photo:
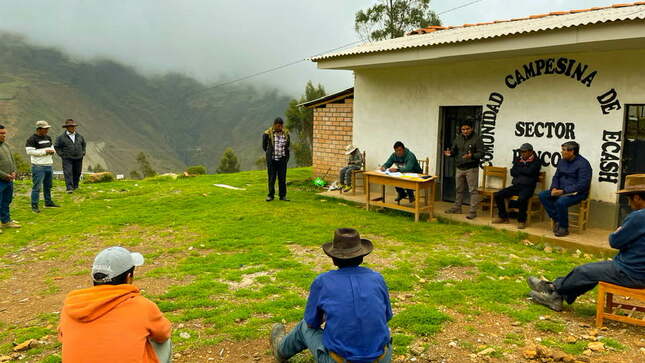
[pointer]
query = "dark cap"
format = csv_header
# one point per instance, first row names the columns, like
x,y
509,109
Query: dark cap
x,y
526,147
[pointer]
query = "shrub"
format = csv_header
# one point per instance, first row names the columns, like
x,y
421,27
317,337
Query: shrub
x,y
196,170
100,177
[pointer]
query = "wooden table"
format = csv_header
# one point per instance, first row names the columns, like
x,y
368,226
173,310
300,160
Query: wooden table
x,y
416,184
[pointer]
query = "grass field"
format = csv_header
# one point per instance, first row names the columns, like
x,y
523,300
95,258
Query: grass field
x,y
224,265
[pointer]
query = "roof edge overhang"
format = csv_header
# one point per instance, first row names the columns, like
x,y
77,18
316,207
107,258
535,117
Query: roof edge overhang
x,y
597,37
318,102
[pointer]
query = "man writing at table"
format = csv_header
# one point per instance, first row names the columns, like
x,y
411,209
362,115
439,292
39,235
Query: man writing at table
x,y
402,160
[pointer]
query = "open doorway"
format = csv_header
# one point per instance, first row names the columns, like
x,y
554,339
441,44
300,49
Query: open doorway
x,y
450,117
633,147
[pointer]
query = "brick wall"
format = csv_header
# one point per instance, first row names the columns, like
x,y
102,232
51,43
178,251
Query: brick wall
x,y
332,132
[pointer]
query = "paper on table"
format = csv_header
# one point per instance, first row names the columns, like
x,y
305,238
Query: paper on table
x,y
416,175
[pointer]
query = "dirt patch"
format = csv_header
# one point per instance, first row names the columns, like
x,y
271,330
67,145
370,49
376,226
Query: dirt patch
x,y
456,273
248,280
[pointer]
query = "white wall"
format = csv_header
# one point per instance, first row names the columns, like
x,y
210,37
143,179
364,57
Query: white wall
x,y
403,104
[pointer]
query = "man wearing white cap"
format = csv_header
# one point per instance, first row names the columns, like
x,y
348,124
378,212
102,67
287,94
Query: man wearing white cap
x,y
354,162
112,321
40,149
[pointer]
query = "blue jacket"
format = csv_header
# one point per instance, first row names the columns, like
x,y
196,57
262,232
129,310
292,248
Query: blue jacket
x,y
573,176
630,241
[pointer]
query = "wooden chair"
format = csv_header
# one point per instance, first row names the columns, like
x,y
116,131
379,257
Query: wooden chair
x,y
487,192
356,173
535,208
606,308
579,215
424,165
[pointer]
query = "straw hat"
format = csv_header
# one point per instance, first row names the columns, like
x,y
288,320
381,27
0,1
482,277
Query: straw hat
x,y
350,149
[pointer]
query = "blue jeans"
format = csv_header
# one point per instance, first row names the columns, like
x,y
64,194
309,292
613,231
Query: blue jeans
x,y
6,195
345,176
585,277
303,337
558,207
41,175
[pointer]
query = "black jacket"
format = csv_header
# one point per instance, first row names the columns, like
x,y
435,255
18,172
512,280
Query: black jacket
x,y
267,143
67,149
526,174
462,146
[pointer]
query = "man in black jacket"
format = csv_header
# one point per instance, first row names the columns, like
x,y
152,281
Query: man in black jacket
x,y
70,146
525,173
275,142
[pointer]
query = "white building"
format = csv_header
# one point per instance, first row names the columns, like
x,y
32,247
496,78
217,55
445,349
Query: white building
x,y
543,79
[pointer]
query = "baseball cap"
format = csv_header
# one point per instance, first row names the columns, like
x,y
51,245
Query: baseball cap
x,y
42,124
114,261
526,147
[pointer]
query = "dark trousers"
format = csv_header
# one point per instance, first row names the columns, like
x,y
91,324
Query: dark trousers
x,y
6,195
558,207
41,176
72,170
405,193
585,277
277,169
524,192
345,176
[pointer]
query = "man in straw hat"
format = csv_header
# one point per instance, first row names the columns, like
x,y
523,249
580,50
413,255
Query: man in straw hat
x,y
354,304
112,321
354,162
626,269
70,146
40,149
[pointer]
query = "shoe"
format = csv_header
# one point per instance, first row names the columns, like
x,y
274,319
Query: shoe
x,y
399,198
11,224
284,199
555,226
453,210
347,188
521,225
52,205
277,334
269,199
412,199
499,220
471,215
552,301
70,191
539,285
34,208
561,232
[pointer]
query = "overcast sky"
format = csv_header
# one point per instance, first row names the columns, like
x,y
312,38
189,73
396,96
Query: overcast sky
x,y
217,39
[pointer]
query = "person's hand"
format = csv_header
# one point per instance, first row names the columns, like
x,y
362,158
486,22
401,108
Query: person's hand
x,y
382,168
468,156
556,192
618,229
394,170
447,152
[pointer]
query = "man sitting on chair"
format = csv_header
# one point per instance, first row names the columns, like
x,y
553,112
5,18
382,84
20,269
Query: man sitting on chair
x,y
354,162
569,186
626,269
525,173
403,161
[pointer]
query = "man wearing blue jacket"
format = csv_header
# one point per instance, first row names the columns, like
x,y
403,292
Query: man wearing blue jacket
x,y
569,186
626,269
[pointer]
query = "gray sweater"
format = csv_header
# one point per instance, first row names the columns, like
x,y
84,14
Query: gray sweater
x,y
7,163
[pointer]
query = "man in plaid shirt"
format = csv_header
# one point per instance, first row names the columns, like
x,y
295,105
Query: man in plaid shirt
x,y
275,142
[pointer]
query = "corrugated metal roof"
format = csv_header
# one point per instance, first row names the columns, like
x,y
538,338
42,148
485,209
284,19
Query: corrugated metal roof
x,y
468,32
346,93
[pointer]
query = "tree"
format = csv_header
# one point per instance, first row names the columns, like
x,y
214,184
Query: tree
x,y
228,163
135,174
22,167
261,162
144,166
393,18
300,121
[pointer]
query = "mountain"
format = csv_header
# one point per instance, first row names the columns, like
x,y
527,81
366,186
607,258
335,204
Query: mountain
x,y
176,120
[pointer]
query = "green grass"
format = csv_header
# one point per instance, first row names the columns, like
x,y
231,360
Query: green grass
x,y
230,261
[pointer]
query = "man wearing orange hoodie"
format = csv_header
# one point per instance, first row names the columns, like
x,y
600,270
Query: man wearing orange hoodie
x,y
112,321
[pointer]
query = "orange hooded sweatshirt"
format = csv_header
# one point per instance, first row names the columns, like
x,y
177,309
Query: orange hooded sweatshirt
x,y
110,323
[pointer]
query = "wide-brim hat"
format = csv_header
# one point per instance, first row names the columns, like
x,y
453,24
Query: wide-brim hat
x,y
350,149
634,183
347,244
42,124
69,122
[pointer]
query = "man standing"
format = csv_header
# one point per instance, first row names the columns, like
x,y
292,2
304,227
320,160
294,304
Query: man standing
x,y
525,173
275,142
70,146
354,162
467,148
402,160
569,186
626,269
40,150
7,176
354,304
112,321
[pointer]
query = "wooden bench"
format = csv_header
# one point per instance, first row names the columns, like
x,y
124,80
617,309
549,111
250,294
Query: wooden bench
x,y
606,307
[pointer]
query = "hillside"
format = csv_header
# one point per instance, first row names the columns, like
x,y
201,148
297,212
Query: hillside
x,y
175,119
